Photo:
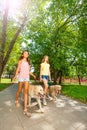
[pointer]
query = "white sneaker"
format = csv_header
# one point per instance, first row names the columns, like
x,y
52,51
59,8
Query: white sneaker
x,y
44,102
48,97
40,111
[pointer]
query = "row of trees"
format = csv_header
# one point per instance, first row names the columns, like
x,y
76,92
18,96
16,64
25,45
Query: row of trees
x,y
53,27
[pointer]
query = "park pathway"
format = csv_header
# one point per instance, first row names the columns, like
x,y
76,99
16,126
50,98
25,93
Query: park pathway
x,y
64,114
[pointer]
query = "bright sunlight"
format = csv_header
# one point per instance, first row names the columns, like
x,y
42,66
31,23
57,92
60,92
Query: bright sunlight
x,y
13,5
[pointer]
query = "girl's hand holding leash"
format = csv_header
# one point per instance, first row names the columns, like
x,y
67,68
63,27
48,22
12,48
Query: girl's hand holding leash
x,y
14,78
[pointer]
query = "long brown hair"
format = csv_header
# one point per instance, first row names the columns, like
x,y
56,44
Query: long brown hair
x,y
44,59
21,57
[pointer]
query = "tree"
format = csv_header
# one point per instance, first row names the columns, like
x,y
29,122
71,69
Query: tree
x,y
54,32
57,29
19,21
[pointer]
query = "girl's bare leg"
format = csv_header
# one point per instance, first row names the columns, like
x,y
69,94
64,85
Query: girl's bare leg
x,y
18,93
26,88
46,89
45,85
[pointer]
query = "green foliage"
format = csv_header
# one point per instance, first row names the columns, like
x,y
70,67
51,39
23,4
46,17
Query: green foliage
x,y
55,28
55,32
12,21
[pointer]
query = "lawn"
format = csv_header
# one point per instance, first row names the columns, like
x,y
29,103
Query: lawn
x,y
5,80
78,92
5,83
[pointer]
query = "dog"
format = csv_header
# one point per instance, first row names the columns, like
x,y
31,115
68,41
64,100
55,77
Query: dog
x,y
36,92
54,90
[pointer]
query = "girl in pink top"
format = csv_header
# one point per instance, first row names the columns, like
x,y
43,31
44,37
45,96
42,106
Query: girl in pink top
x,y
23,73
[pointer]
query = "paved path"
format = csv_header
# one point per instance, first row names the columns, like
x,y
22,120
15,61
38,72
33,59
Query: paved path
x,y
64,114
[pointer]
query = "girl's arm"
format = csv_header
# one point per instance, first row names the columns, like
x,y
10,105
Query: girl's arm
x,y
17,70
40,73
49,74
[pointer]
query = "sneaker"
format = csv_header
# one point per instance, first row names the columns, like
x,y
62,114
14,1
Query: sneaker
x,y
44,102
48,97
40,110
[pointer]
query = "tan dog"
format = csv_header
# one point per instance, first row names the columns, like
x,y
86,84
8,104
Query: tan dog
x,y
54,90
36,91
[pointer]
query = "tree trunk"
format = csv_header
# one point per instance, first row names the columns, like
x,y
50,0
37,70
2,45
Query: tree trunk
x,y
79,79
3,36
55,76
60,77
3,60
2,66
1,63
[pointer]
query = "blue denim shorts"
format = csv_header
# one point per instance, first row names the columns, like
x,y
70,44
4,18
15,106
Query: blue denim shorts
x,y
45,77
23,80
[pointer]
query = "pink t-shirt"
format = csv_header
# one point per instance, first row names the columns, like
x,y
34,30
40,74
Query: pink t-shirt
x,y
24,70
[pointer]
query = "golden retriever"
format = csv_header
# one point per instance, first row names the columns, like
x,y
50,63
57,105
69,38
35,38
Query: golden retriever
x,y
53,90
37,92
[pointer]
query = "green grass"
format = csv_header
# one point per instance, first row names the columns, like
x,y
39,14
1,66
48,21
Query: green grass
x,y
78,92
4,83
5,80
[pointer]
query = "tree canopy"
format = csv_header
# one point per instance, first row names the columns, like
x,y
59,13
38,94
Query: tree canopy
x,y
54,28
